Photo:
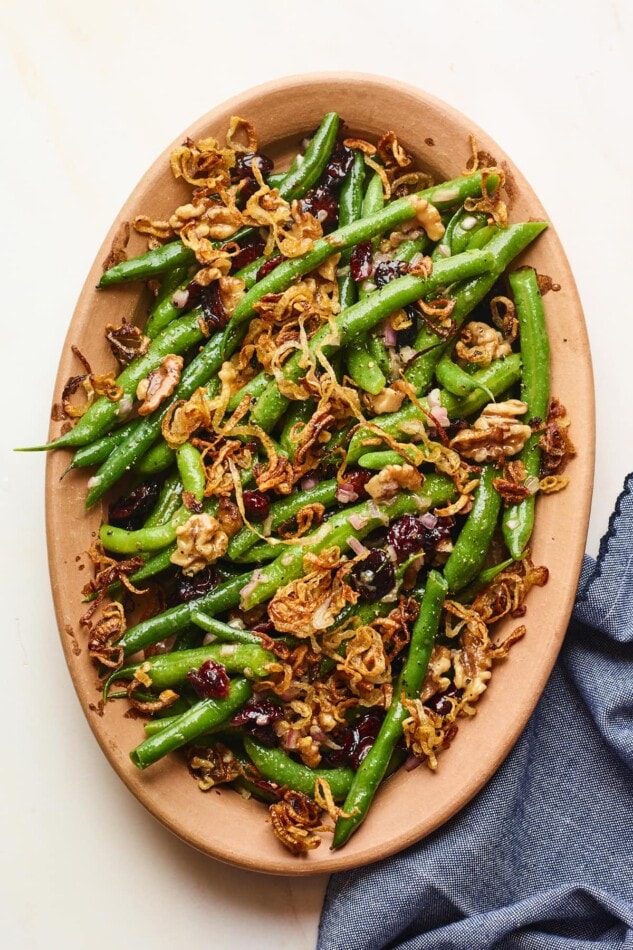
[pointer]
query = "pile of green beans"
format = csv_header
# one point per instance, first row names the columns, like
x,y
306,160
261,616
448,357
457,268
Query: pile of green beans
x,y
217,626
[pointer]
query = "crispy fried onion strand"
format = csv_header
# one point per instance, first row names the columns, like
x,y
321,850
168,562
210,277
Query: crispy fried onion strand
x,y
310,604
296,821
93,385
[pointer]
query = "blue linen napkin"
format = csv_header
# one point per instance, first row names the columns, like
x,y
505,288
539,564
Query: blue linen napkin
x,y
542,858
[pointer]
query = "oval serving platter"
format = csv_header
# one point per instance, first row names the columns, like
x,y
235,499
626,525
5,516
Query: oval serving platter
x,y
410,805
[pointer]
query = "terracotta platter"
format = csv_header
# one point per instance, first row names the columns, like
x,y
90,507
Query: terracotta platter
x,y
411,805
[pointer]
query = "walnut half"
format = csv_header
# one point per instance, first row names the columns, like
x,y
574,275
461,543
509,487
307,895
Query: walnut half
x,y
496,434
159,384
391,480
199,541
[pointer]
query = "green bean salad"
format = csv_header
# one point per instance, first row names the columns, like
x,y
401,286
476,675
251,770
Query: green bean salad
x,y
321,454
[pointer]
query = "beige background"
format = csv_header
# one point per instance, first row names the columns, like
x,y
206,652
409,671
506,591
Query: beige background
x,y
90,95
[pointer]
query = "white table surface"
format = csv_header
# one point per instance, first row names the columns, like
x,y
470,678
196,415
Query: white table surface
x,y
90,94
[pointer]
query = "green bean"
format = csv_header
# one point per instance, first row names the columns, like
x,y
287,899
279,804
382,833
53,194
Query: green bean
x,y
223,631
455,379
299,412
379,460
518,519
177,338
164,310
153,726
350,209
457,238
262,551
395,213
200,718
482,236
505,246
409,248
334,533
94,453
156,459
151,264
275,766
122,541
495,379
155,537
169,501
199,370
288,566
191,470
362,365
469,553
253,388
169,669
160,562
372,769
174,619
404,424
302,176
362,316
466,226
276,179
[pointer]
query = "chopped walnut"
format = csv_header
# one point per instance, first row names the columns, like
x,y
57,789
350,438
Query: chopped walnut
x,y
387,400
480,343
495,434
159,384
391,480
200,541
428,217
231,292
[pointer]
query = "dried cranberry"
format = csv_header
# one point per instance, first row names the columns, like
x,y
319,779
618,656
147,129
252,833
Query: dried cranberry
x,y
337,168
191,588
355,480
355,741
211,681
192,300
213,310
323,206
257,717
406,337
408,535
440,532
249,253
373,577
387,271
361,261
256,505
268,267
243,167
440,703
129,511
